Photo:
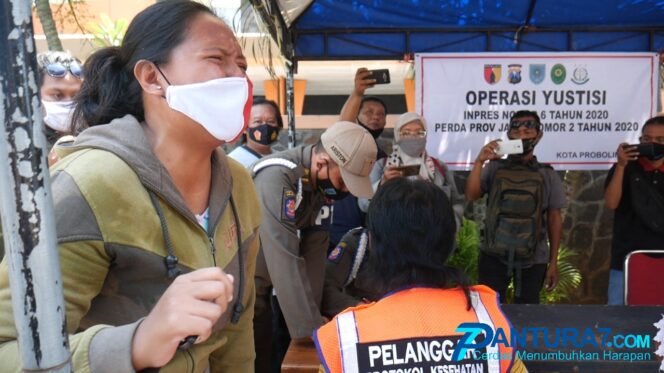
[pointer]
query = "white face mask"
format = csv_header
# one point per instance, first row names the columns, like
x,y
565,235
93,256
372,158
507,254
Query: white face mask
x,y
58,114
221,106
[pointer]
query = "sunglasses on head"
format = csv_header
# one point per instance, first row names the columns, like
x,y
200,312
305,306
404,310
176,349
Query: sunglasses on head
x,y
515,124
60,69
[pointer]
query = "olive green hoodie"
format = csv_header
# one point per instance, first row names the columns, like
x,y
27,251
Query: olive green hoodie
x,y
112,248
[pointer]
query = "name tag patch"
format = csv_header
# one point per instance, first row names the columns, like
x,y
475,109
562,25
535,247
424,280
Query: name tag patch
x,y
419,355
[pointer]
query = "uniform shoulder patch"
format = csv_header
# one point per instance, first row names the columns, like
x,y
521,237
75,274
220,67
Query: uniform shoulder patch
x,y
288,205
335,255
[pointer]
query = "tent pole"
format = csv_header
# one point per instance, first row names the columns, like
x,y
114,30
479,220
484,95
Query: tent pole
x,y
290,104
26,206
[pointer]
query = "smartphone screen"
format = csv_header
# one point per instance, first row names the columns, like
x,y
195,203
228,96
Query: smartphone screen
x,y
510,147
412,170
382,76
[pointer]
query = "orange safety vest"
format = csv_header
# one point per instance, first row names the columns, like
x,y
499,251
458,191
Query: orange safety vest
x,y
414,331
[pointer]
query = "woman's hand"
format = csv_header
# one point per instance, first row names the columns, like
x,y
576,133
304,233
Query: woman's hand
x,y
190,306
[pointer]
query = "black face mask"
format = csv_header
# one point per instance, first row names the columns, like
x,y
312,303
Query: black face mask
x,y
528,146
651,150
263,134
374,133
327,188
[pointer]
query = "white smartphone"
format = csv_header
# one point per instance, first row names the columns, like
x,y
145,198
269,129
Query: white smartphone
x,y
509,147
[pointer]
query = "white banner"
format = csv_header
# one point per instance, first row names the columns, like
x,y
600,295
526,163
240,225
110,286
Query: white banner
x,y
588,102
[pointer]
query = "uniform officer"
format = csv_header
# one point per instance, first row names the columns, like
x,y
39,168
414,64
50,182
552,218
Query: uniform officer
x,y
292,186
347,281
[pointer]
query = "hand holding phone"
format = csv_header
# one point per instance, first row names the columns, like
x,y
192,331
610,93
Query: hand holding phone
x,y
651,150
412,170
381,76
509,147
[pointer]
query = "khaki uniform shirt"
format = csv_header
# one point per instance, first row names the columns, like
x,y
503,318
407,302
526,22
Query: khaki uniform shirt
x,y
292,259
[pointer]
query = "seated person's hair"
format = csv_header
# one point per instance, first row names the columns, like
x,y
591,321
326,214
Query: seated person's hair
x,y
411,232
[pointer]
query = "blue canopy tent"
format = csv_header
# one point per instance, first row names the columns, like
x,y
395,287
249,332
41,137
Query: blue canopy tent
x,y
392,29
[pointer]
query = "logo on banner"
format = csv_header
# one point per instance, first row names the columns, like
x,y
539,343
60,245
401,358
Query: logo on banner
x,y
558,73
492,73
537,72
580,75
514,73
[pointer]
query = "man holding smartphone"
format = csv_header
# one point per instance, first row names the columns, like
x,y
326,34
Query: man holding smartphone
x,y
369,112
523,213
634,189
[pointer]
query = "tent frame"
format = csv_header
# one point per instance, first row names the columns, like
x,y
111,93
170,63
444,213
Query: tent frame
x,y
287,37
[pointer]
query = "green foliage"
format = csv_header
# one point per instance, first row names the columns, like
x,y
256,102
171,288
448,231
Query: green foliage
x,y
108,32
468,248
569,278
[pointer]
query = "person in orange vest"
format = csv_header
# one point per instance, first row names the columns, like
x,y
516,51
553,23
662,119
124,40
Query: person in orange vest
x,y
415,326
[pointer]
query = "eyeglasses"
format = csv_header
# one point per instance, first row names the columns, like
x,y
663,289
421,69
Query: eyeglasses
x,y
646,138
420,133
60,69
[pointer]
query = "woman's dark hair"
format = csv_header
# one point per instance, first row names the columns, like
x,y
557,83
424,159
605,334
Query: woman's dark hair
x,y
110,89
411,229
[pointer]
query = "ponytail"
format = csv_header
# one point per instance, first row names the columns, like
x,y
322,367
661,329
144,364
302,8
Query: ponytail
x,y
109,91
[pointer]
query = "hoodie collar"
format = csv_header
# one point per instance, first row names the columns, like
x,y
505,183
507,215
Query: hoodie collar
x,y
125,137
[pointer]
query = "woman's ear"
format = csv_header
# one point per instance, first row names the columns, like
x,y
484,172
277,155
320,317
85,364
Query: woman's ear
x,y
149,78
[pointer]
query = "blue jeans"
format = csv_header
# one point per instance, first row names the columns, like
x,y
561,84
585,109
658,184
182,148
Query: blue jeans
x,y
616,288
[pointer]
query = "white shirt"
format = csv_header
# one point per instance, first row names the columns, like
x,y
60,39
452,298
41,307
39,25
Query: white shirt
x,y
244,155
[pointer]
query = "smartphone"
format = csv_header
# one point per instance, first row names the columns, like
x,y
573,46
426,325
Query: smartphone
x,y
649,149
412,170
382,76
509,147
